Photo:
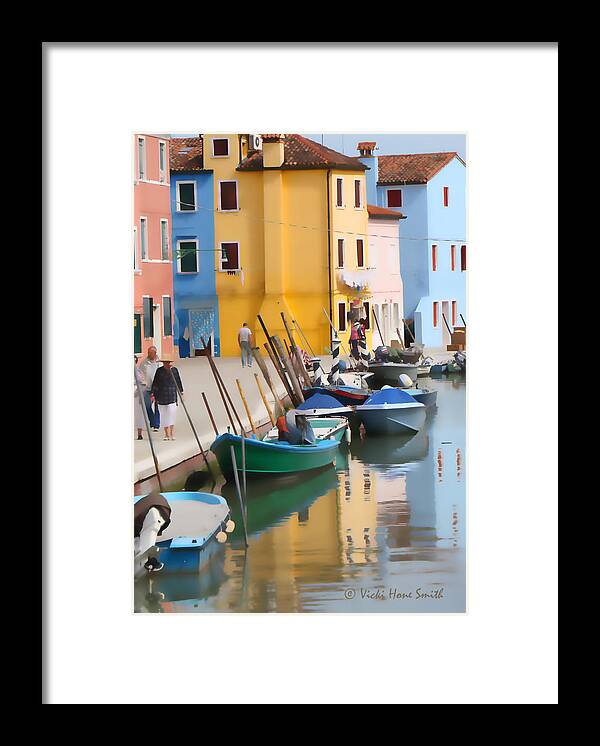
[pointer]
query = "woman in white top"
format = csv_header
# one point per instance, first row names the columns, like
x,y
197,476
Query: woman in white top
x,y
245,343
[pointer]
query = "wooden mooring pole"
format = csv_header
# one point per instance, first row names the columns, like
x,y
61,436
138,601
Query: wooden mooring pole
x,y
246,407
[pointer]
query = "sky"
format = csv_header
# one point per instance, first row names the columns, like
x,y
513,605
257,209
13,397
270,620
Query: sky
x,y
390,144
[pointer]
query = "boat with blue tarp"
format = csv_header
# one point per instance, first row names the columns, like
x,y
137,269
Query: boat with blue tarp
x,y
391,411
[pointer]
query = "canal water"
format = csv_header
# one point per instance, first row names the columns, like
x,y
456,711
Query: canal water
x,y
382,532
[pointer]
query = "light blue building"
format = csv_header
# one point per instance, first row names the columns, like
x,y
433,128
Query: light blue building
x,y
193,236
430,190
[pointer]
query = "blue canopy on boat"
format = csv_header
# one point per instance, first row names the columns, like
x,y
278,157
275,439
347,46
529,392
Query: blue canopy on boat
x,y
390,396
321,401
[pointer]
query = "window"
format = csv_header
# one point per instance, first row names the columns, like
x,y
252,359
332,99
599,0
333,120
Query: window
x,y
164,239
135,251
434,258
360,252
394,198
453,257
144,238
435,313
339,192
453,313
141,157
445,196
228,198
230,256
148,317
162,161
357,193
463,258
367,307
186,196
342,317
187,256
167,316
340,252
220,147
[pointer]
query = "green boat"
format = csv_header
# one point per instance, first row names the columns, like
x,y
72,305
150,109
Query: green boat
x,y
269,457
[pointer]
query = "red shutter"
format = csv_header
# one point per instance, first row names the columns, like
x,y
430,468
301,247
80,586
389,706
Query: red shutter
x,y
453,257
435,313
360,252
221,146
339,192
229,195
453,313
463,258
356,193
342,317
434,257
230,256
445,196
394,198
340,252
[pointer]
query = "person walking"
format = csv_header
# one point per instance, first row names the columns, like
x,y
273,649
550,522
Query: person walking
x,y
138,412
245,343
164,389
150,364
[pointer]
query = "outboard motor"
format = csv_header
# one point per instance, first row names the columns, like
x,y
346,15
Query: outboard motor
x,y
382,354
406,382
151,515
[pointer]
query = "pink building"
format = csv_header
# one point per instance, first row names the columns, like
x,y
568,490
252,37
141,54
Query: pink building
x,y
153,275
385,282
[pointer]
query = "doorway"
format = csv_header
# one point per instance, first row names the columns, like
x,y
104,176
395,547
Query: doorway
x,y
202,325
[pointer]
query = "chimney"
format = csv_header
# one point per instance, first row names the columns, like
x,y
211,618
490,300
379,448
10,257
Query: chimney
x,y
273,150
368,157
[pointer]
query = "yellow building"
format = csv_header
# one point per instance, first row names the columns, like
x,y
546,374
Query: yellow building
x,y
291,228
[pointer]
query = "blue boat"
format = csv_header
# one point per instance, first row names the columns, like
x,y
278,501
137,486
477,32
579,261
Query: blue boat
x,y
199,524
391,412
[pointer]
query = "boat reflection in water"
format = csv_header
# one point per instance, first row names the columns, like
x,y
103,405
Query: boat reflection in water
x,y
390,515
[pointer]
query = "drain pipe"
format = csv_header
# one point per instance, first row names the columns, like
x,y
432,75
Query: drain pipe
x,y
329,243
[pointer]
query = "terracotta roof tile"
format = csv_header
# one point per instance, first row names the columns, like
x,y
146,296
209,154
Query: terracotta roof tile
x,y
186,154
384,212
366,145
412,168
302,153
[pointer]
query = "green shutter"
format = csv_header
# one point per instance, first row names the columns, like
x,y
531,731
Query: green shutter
x,y
167,321
137,333
188,257
148,318
186,197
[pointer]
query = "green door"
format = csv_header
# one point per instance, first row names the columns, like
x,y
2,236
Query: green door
x,y
137,333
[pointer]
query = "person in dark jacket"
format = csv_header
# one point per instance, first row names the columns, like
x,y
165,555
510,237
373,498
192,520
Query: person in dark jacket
x,y
164,389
